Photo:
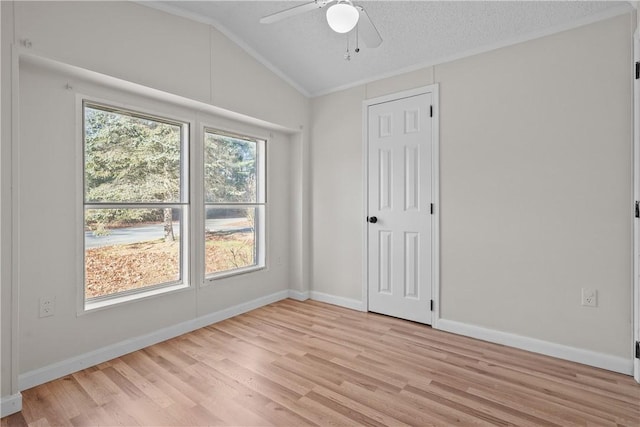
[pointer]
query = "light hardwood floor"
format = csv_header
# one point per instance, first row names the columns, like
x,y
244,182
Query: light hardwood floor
x,y
307,363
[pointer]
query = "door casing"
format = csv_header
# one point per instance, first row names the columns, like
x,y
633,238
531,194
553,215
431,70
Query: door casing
x,y
435,191
636,221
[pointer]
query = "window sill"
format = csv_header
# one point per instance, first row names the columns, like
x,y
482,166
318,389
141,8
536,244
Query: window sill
x,y
125,299
225,274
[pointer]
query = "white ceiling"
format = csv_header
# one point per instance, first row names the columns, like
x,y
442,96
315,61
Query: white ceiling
x,y
303,49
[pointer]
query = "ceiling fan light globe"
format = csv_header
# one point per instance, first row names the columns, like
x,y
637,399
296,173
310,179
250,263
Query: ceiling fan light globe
x,y
342,17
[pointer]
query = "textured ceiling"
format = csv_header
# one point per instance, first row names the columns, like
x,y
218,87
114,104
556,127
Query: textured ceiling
x,y
305,51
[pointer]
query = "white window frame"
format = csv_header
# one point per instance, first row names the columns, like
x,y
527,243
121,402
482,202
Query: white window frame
x,y
261,202
166,108
184,204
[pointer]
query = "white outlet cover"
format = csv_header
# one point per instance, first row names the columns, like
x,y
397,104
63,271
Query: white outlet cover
x,y
589,297
47,306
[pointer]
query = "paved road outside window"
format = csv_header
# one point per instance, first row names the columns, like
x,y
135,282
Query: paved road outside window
x,y
144,233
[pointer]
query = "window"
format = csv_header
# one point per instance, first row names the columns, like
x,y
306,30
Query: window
x,y
234,195
135,202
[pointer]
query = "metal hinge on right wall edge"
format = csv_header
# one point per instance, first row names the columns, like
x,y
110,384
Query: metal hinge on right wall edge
x,y
431,305
637,70
637,349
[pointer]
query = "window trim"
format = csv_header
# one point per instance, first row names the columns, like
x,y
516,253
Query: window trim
x,y
184,203
261,203
121,298
198,120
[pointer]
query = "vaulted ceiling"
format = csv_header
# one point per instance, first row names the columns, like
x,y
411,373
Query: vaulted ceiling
x,y
307,53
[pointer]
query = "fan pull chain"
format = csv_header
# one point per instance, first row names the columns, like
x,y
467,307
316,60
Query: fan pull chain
x,y
347,54
357,50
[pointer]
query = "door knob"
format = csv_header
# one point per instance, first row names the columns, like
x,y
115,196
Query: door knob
x,y
372,219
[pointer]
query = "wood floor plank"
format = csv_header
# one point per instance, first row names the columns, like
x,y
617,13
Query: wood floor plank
x,y
571,396
401,408
14,420
99,390
158,396
185,389
237,413
308,363
500,410
362,413
48,409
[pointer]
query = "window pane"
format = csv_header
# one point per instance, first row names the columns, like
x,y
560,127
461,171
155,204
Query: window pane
x,y
128,249
230,239
130,159
229,169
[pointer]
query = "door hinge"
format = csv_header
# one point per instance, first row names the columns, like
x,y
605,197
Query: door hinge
x,y
431,106
637,209
637,349
637,70
431,208
431,305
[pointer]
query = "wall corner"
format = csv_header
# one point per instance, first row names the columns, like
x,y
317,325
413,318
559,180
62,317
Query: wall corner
x,y
10,404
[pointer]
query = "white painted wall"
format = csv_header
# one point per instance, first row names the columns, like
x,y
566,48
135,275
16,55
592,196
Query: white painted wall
x,y
410,80
47,178
6,373
240,83
336,221
536,164
160,51
300,213
336,153
536,184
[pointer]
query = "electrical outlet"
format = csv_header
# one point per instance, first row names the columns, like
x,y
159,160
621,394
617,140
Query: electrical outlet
x,y
589,297
47,306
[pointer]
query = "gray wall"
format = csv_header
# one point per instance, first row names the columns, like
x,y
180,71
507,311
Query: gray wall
x,y
6,374
160,51
48,178
536,161
535,187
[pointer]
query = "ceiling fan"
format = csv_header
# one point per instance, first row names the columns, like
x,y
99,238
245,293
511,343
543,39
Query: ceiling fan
x,y
342,17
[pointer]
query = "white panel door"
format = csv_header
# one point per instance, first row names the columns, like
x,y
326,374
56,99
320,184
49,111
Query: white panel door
x,y
399,208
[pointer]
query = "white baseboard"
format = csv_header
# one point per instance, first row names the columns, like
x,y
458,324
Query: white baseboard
x,y
10,404
298,295
353,304
92,358
574,354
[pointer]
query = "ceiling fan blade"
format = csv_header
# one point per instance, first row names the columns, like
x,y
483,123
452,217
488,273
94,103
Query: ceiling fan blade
x,y
297,10
368,32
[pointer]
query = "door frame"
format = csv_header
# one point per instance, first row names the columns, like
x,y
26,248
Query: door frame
x,y
432,89
636,195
